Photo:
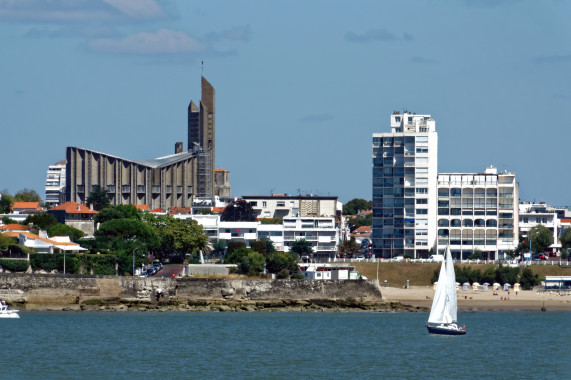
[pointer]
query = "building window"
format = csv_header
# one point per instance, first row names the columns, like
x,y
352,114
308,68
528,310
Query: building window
x,y
397,119
422,201
253,203
421,139
264,204
281,204
422,190
421,149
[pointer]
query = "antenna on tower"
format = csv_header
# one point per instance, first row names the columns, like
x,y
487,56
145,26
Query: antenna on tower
x,y
202,68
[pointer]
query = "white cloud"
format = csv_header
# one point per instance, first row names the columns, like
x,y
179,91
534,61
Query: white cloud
x,y
235,33
164,41
79,10
137,9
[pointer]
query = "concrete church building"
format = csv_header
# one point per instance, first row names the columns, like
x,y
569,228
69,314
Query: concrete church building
x,y
165,182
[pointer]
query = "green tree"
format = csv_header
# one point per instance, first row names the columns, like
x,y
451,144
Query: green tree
x,y
541,238
121,212
355,205
238,211
234,245
98,198
349,248
528,280
506,275
41,221
128,231
219,247
7,220
302,247
280,261
64,230
27,195
6,202
476,255
566,238
6,241
252,264
263,246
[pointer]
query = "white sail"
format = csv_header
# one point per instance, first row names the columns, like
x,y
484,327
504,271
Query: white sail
x,y
439,303
451,287
444,305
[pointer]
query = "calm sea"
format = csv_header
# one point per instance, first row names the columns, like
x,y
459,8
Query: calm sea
x,y
70,345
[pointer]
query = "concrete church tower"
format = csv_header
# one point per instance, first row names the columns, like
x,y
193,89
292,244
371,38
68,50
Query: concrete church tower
x,y
201,138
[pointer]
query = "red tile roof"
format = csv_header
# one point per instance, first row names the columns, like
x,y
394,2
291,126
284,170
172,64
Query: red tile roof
x,y
565,220
156,210
8,227
221,170
72,208
218,210
363,230
142,207
26,206
364,213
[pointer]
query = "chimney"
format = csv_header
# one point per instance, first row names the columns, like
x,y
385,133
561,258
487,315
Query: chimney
x,y
178,147
91,207
78,207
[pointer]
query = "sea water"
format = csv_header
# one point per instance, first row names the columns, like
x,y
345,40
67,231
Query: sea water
x,y
279,345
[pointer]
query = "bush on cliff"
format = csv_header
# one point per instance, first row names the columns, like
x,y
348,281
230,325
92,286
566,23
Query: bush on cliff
x,y
14,265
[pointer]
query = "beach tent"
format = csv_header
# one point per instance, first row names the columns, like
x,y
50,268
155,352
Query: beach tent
x,y
466,286
496,286
517,287
485,286
507,286
476,286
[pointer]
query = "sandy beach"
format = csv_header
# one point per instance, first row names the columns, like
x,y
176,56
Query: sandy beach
x,y
471,300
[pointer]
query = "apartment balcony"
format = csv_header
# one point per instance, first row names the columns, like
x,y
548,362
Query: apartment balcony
x,y
179,190
125,189
168,189
140,189
80,188
156,189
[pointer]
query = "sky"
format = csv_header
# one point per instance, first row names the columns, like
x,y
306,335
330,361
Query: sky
x,y
301,86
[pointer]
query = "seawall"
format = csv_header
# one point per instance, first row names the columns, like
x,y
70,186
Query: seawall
x,y
74,292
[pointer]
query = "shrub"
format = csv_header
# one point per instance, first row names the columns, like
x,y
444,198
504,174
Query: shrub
x,y
234,245
271,221
282,274
14,265
297,276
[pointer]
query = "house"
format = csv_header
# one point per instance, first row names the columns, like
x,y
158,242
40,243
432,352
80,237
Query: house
x,y
75,215
26,208
361,233
14,228
43,244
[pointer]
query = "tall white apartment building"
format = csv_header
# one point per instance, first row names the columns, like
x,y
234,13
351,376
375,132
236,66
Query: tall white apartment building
x,y
55,183
478,211
405,167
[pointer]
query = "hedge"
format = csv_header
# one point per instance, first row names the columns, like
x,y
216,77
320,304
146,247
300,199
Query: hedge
x,y
75,263
14,265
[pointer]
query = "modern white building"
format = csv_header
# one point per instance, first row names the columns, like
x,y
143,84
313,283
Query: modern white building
x,y
478,211
322,233
405,167
535,214
283,205
55,184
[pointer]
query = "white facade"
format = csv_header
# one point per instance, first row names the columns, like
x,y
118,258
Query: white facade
x,y
405,167
532,215
280,206
322,233
477,211
55,183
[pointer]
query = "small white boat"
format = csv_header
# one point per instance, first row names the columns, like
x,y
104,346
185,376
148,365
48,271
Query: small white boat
x,y
5,313
443,315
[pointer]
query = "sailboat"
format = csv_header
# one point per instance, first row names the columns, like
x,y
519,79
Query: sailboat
x,y
443,315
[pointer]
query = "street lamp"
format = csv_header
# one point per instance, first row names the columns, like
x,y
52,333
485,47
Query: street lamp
x,y
134,261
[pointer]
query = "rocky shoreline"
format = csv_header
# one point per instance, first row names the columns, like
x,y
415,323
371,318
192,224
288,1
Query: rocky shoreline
x,y
231,306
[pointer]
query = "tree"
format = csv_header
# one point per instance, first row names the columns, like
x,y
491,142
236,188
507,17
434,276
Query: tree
x,y
7,220
263,246
541,238
528,280
476,255
121,212
249,261
27,195
355,205
6,202
6,241
506,275
98,198
349,248
128,231
41,221
219,247
302,247
238,211
356,222
566,238
280,261
64,230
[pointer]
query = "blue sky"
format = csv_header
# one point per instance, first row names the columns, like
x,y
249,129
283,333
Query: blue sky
x,y
300,86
